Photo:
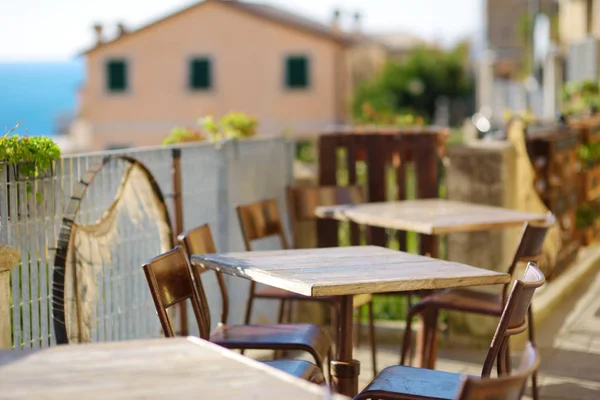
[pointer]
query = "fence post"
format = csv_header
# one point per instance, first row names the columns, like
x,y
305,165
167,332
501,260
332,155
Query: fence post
x,y
178,228
9,259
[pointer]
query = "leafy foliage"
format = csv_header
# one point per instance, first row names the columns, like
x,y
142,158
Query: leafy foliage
x,y
231,126
32,155
581,97
586,216
411,87
183,135
589,154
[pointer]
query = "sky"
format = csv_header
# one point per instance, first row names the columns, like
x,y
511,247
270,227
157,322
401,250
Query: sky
x,y
56,30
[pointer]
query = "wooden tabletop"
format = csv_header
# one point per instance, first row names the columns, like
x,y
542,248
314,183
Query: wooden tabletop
x,y
348,270
429,216
181,368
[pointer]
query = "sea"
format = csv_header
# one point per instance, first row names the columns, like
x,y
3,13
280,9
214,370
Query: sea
x,y
41,96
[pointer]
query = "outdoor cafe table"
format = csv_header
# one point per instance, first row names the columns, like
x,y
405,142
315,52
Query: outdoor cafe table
x,y
429,216
179,368
345,272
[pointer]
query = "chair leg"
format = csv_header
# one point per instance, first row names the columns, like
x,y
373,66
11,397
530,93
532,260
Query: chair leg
x,y
530,332
372,338
290,312
500,359
407,340
250,303
279,354
507,367
281,313
358,327
430,343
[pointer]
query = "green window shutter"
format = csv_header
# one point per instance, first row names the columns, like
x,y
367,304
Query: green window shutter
x,y
116,73
200,74
296,75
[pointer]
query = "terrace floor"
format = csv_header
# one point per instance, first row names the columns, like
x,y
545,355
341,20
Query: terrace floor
x,y
569,343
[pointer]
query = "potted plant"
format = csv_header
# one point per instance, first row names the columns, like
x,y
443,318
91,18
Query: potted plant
x,y
231,126
25,159
183,135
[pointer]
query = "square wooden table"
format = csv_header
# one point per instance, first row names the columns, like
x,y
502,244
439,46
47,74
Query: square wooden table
x,y
429,216
345,272
179,368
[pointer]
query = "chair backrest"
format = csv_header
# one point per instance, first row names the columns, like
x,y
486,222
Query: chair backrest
x,y
261,220
303,200
513,320
530,246
171,283
200,241
510,387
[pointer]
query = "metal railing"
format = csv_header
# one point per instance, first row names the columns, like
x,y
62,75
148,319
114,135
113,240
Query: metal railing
x,y
214,178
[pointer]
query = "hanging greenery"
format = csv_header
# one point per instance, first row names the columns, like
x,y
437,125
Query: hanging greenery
x,y
30,156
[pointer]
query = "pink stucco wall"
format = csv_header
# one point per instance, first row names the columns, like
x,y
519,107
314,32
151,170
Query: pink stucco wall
x,y
248,56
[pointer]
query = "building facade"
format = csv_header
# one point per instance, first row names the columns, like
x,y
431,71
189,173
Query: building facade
x,y
212,58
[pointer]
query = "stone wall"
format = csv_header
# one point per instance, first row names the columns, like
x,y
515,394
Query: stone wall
x,y
484,173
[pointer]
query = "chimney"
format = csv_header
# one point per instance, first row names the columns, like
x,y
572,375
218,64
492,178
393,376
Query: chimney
x,y
121,29
98,31
335,21
357,28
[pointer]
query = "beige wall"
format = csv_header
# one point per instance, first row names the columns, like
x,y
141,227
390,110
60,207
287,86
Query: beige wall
x,y
573,20
248,75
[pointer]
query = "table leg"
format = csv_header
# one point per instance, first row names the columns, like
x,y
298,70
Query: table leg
x,y
344,369
427,337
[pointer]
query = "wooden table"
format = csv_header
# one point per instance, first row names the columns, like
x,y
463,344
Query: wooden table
x,y
181,368
429,216
345,272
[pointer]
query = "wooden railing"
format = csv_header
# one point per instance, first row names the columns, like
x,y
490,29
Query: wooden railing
x,y
409,156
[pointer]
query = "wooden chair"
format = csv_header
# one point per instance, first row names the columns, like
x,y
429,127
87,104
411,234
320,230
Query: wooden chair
x,y
171,282
261,220
468,300
401,382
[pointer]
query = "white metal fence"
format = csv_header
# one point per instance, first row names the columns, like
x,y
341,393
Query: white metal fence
x,y
214,179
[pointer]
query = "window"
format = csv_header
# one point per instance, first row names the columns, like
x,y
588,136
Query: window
x,y
116,76
200,74
296,72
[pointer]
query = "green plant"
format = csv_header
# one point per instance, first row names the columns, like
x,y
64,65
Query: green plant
x,y
589,154
581,97
183,135
232,126
32,156
586,216
414,85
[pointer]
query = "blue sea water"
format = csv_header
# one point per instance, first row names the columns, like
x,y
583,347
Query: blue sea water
x,y
38,94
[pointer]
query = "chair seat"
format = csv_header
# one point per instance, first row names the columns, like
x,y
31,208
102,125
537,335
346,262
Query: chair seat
x,y
270,292
412,383
307,337
299,368
465,300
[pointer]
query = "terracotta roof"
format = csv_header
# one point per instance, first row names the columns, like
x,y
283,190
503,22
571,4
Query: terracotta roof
x,y
265,11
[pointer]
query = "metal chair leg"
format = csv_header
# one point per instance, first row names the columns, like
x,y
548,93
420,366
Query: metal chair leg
x,y
531,333
372,338
358,327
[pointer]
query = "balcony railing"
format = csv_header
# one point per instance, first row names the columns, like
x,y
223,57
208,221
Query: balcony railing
x,y
214,178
